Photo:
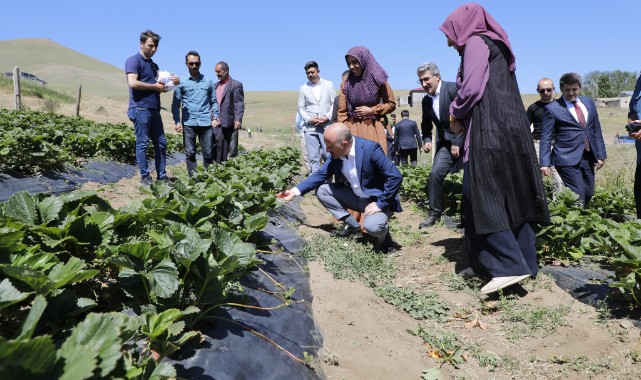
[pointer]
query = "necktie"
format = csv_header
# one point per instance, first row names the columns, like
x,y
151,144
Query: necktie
x,y
581,117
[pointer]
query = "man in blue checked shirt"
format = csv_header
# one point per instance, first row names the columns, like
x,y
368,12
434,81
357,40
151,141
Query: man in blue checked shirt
x,y
196,98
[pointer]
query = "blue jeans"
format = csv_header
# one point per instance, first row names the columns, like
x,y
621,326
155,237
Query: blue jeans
x,y
148,124
206,136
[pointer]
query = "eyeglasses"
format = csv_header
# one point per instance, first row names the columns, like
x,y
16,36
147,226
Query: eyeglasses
x,y
422,80
193,64
544,90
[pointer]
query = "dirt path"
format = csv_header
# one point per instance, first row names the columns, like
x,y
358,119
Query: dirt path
x,y
539,333
367,338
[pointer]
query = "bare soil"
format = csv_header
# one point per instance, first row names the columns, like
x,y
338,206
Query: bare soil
x,y
366,338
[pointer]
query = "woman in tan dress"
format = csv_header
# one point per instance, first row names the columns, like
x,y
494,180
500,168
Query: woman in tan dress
x,y
365,97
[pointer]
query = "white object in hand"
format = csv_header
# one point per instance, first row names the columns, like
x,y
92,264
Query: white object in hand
x,y
164,77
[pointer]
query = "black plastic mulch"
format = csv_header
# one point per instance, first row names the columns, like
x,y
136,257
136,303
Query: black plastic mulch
x,y
591,287
231,351
61,182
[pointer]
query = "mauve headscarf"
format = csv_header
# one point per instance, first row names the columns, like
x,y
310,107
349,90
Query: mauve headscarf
x,y
471,19
363,90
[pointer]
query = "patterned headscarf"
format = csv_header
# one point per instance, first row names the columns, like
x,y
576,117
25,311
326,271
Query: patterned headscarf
x,y
363,90
472,19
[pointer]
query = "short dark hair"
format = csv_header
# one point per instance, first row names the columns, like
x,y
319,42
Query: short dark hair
x,y
223,65
569,79
149,34
393,115
192,52
311,64
405,113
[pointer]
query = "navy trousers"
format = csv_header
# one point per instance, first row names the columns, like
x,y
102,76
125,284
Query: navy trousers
x,y
499,254
580,177
637,180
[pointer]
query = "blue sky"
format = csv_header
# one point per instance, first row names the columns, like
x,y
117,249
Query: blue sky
x,y
266,43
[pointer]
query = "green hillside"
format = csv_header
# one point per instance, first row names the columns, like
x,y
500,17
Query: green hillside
x,y
63,68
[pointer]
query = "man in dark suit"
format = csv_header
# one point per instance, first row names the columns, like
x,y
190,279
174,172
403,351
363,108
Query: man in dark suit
x,y
449,146
634,117
231,107
365,180
407,139
573,122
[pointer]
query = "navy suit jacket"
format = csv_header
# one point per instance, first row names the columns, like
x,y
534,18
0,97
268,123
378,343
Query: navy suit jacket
x,y
379,178
406,135
231,106
559,125
447,94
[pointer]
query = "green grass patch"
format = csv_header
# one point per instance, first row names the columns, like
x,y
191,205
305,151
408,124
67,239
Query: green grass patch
x,y
28,88
526,321
493,361
351,260
418,304
586,366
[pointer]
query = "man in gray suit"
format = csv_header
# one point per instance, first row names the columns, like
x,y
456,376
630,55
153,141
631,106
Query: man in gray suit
x,y
315,105
231,107
449,146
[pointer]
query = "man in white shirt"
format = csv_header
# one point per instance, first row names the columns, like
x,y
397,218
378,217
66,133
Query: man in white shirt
x,y
572,121
448,147
365,181
315,105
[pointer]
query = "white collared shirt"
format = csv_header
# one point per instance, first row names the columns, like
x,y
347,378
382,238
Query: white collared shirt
x,y
573,111
349,171
316,89
435,100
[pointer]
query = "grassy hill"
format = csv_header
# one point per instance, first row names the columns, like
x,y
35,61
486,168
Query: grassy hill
x,y
269,113
63,68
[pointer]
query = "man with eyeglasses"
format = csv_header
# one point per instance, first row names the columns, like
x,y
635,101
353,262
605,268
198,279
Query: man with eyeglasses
x,y
315,105
196,98
546,90
449,146
572,121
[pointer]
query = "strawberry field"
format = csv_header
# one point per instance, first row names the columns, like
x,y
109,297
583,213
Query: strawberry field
x,y
88,291
31,142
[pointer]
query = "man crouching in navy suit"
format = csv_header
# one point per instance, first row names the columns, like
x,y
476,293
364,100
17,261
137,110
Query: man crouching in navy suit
x,y
365,180
573,123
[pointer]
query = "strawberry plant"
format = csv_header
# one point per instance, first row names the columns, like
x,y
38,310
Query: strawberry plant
x,y
33,141
172,259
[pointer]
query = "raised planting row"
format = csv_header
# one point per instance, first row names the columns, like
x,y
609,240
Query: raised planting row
x,y
88,291
34,141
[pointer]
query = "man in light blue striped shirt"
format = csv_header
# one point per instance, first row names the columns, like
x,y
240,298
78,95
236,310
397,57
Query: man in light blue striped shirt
x,y
196,98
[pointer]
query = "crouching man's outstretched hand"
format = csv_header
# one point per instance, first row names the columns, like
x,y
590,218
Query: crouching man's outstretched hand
x,y
286,195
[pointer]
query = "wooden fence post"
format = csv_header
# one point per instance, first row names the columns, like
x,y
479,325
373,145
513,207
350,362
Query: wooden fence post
x,y
17,101
78,100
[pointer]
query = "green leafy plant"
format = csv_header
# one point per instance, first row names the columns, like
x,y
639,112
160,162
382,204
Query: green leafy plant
x,y
419,305
33,141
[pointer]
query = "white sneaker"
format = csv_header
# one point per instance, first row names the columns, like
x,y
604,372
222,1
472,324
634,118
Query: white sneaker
x,y
467,273
498,283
